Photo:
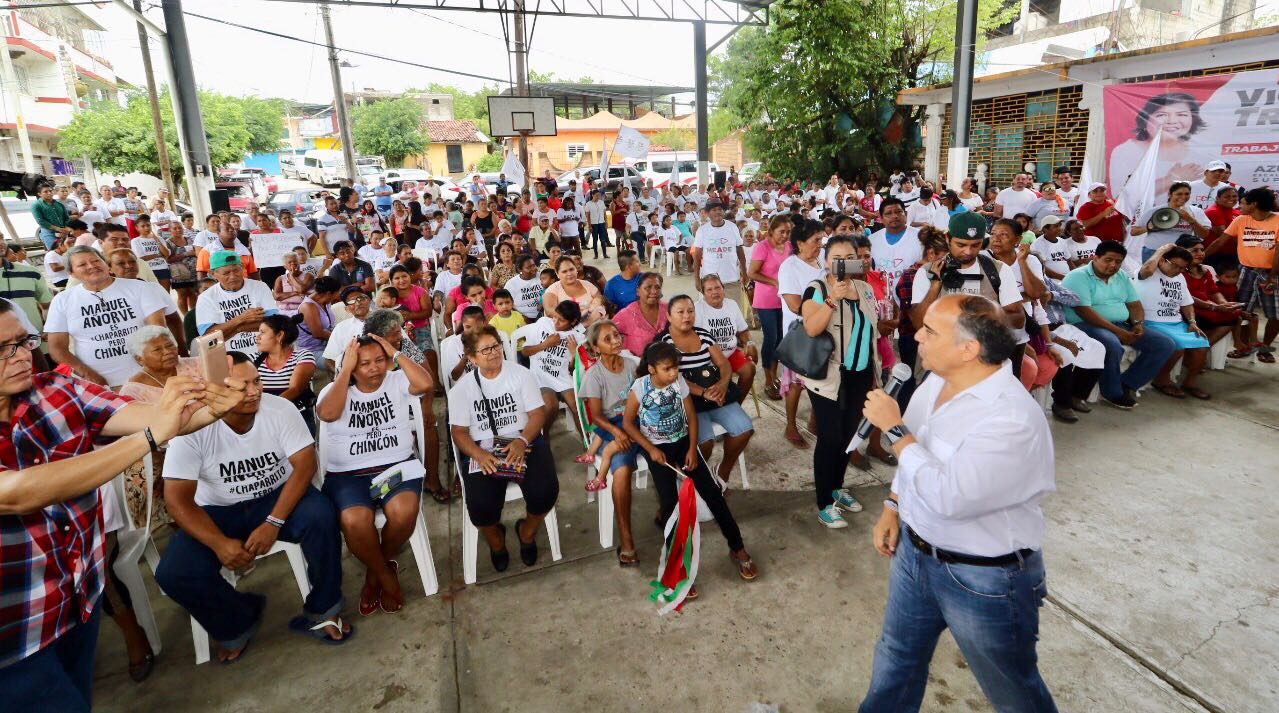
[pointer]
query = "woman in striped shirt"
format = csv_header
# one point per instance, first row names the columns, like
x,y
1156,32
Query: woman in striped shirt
x,y
709,378
285,369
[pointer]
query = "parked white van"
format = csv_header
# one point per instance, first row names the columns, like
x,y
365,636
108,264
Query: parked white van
x,y
657,165
322,166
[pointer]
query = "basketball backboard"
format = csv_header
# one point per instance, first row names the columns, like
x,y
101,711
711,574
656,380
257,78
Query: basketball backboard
x,y
508,116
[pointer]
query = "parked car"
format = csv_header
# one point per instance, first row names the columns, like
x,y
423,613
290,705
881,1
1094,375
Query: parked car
x,y
449,190
322,167
490,184
241,194
268,179
303,204
291,166
616,175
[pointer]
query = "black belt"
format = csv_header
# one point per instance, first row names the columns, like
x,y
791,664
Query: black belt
x,y
949,557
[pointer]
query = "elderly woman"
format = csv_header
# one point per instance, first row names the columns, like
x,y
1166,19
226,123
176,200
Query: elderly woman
x,y
495,453
98,315
642,320
571,287
291,287
847,311
709,377
369,441
604,389
284,366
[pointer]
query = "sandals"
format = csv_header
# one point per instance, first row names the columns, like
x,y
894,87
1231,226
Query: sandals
x,y
369,605
315,630
1197,392
773,391
594,484
139,671
745,568
440,495
1170,390
627,559
259,605
1265,357
884,457
1239,353
584,459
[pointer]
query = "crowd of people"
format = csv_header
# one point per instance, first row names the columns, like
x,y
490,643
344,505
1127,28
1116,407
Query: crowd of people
x,y
348,325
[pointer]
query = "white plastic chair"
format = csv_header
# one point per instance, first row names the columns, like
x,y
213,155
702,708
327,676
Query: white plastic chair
x,y
419,541
720,433
605,496
471,533
200,637
135,543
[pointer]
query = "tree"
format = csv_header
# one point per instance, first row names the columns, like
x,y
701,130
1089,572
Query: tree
x,y
120,140
675,139
391,128
489,163
817,100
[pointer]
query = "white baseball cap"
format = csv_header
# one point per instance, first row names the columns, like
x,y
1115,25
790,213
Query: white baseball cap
x,y
1215,166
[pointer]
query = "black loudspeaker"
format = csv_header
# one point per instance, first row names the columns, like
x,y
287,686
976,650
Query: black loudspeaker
x,y
721,179
220,200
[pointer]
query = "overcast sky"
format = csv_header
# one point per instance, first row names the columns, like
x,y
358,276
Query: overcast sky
x,y
239,62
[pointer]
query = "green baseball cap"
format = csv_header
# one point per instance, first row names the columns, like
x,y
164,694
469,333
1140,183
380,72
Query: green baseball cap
x,y
967,226
222,258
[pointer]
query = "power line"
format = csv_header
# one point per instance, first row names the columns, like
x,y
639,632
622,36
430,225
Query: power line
x,y
361,53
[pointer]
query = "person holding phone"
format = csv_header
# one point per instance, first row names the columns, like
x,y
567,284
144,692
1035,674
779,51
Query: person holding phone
x,y
369,461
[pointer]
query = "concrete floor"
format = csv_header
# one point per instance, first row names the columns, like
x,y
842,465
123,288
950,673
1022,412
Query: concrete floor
x,y
1162,583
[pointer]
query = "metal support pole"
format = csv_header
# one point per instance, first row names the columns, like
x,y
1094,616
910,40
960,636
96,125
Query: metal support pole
x,y
961,94
703,128
521,81
339,100
186,110
157,124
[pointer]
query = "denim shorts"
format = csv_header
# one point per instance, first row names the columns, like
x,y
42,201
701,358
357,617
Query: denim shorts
x,y
731,416
624,459
351,491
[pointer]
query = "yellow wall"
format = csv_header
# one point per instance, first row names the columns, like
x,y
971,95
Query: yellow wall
x,y
328,142
551,152
436,160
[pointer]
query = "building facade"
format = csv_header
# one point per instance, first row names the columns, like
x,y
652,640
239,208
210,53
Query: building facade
x,y
1052,116
58,69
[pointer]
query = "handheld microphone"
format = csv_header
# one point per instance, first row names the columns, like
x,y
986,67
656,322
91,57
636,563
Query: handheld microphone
x,y
899,375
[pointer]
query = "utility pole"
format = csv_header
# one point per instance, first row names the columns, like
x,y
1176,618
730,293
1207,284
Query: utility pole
x,y
157,124
961,93
14,97
521,83
339,100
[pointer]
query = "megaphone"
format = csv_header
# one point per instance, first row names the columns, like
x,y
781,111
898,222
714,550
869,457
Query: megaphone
x,y
1164,218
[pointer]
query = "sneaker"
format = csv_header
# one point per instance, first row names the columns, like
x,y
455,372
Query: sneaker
x,y
1080,405
831,517
1132,394
845,500
1065,415
1125,402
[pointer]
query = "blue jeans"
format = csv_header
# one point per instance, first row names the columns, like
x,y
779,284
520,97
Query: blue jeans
x,y
190,572
48,237
57,678
1153,349
993,614
731,416
770,320
641,243
599,238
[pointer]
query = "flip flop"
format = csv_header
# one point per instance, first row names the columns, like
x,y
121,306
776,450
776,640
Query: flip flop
x,y
1265,357
626,559
1197,392
367,607
1170,390
315,630
260,605
440,495
745,568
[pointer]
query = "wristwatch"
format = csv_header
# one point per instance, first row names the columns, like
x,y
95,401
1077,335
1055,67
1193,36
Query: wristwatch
x,y
896,433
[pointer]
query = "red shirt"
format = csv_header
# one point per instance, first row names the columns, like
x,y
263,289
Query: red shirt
x,y
1204,288
60,417
1111,228
1219,218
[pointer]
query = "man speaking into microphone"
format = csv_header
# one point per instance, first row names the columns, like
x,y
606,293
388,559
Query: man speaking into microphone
x,y
962,522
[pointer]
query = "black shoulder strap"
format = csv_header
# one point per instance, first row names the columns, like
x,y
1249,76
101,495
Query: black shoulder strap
x,y
488,410
989,267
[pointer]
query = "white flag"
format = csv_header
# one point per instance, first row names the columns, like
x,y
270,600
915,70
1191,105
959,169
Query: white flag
x,y
1085,180
673,181
631,143
1137,196
513,169
604,164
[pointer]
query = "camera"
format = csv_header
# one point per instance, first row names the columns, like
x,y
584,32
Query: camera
x,y
845,268
951,278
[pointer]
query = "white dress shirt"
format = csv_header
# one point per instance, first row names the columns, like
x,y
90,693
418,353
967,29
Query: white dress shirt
x,y
972,481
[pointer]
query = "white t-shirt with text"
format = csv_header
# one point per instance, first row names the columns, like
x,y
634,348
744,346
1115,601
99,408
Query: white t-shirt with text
x,y
99,323
216,305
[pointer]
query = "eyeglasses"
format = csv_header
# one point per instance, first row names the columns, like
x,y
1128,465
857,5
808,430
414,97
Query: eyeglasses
x,y
30,343
489,350
356,300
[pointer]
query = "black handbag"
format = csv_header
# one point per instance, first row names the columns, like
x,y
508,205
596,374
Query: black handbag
x,y
501,445
807,356
706,377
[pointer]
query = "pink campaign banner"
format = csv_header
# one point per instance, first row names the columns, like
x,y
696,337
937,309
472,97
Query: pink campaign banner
x,y
1228,117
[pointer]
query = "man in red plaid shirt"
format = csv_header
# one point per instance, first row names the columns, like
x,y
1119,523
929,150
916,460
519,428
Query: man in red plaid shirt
x,y
51,540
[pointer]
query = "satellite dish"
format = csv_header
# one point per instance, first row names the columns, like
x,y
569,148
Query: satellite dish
x,y
1164,218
